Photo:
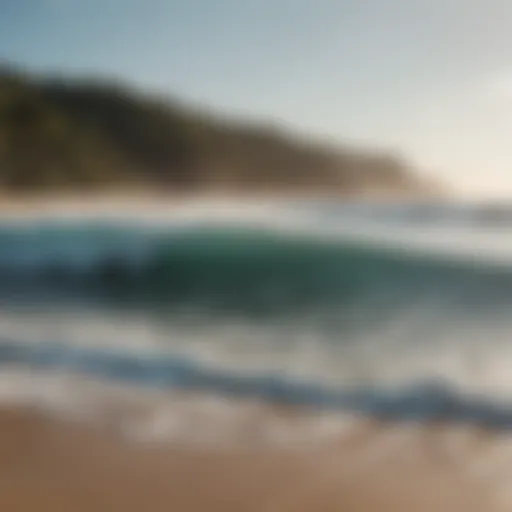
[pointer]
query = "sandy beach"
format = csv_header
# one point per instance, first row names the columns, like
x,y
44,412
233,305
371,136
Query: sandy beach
x,y
122,201
60,465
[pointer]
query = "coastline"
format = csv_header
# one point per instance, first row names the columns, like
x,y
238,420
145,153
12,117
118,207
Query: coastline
x,y
60,465
122,199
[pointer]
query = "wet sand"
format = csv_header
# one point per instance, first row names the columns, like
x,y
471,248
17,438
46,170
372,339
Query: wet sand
x,y
60,465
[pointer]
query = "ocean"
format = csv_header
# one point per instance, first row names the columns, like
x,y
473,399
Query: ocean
x,y
142,317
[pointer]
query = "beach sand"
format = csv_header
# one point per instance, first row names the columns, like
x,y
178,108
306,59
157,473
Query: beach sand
x,y
121,201
60,465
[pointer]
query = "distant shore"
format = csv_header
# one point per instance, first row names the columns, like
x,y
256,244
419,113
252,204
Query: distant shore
x,y
63,133
142,199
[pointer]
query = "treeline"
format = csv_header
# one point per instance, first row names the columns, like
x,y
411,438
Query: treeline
x,y
64,134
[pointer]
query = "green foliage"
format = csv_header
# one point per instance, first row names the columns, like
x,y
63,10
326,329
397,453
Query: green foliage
x,y
59,134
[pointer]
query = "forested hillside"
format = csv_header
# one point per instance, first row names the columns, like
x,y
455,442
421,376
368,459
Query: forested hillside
x,y
72,134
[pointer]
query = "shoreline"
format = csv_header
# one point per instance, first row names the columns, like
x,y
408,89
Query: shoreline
x,y
112,199
60,465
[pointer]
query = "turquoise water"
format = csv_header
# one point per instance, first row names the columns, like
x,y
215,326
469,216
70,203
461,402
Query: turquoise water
x,y
386,312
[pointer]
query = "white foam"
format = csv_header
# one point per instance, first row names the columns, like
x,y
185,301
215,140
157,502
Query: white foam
x,y
463,355
423,340
166,416
361,223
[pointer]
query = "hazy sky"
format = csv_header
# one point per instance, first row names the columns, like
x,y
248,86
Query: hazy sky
x,y
432,78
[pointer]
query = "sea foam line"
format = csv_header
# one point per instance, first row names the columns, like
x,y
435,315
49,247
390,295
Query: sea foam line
x,y
410,401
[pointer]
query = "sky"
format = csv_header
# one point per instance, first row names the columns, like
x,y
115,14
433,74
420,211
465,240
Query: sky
x,y
431,79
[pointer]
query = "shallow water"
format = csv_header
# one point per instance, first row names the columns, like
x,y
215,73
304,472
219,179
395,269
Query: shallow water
x,y
392,310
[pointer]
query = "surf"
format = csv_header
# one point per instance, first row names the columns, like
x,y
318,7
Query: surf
x,y
348,309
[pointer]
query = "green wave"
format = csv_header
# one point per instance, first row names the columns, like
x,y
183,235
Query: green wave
x,y
264,270
252,269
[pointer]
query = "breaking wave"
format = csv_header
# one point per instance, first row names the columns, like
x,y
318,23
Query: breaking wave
x,y
402,320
